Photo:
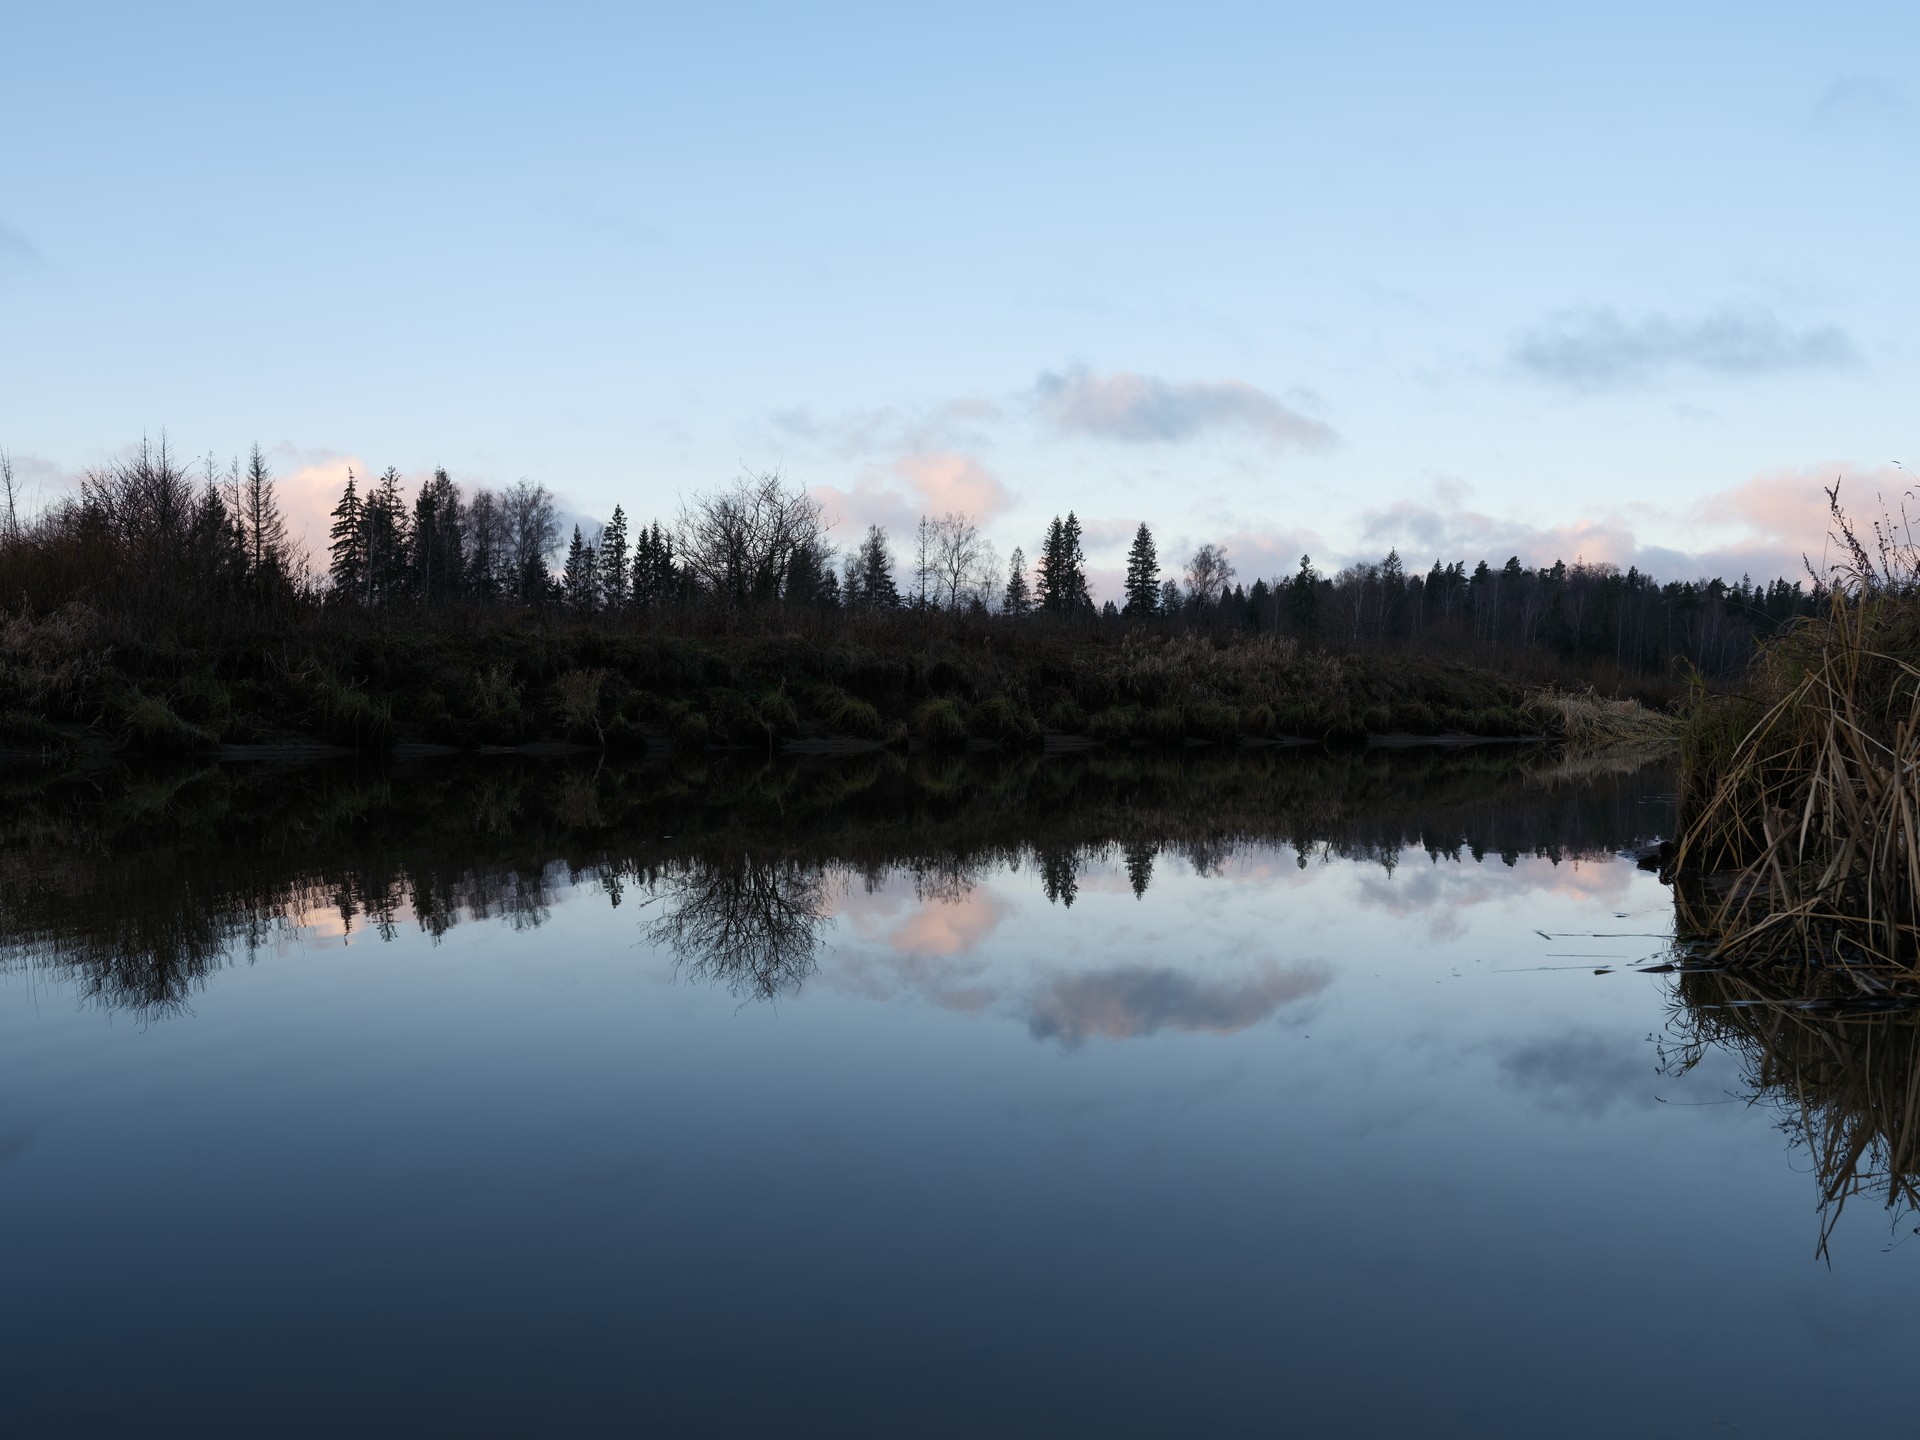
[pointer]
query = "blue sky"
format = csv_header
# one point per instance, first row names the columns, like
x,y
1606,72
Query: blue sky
x,y
1618,281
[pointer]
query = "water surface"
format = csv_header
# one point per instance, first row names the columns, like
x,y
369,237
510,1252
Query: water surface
x,y
1216,1095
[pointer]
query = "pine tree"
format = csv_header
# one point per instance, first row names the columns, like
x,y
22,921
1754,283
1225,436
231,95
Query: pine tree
x,y
1139,855
616,579
1143,576
1018,599
348,547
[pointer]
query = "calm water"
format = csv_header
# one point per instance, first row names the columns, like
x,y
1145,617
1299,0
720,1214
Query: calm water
x,y
1058,1097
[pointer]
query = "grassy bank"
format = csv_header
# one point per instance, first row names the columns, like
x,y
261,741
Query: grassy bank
x,y
476,679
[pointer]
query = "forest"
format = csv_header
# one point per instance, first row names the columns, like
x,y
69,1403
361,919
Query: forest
x,y
164,605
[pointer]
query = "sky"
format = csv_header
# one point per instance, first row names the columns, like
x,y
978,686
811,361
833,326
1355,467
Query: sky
x,y
1619,282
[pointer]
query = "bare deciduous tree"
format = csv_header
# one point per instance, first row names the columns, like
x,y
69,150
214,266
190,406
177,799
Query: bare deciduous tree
x,y
954,563
740,542
744,919
12,520
532,533
1208,573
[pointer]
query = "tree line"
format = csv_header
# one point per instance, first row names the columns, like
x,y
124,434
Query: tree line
x,y
165,538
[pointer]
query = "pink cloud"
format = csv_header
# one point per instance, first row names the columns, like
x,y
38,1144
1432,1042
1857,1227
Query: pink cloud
x,y
948,927
923,483
952,482
1761,527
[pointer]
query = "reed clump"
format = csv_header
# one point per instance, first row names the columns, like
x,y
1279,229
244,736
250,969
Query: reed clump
x,y
1800,791
1588,722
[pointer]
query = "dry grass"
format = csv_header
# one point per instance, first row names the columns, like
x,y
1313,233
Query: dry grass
x,y
1590,723
1800,795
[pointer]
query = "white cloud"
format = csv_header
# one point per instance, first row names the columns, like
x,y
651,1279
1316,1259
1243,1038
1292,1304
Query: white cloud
x,y
1146,409
1598,349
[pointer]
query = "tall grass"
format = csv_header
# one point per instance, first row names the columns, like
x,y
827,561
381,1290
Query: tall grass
x,y
1800,791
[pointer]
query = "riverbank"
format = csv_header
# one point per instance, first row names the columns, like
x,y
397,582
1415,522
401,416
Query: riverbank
x,y
69,681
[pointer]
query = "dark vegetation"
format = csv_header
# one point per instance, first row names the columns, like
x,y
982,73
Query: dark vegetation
x,y
163,609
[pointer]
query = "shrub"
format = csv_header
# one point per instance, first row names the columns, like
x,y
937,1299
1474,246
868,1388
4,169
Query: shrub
x,y
149,723
577,699
689,728
777,714
938,722
731,720
1414,717
1066,715
844,715
1002,721
1209,721
1115,725
1163,725
356,719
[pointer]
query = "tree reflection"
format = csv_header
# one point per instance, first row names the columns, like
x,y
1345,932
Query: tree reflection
x,y
747,921
135,887
1840,1068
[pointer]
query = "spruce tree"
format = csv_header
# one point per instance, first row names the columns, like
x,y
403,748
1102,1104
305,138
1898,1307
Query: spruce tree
x,y
261,526
616,582
1018,599
872,574
348,547
1076,598
580,581
655,578
1050,593
1143,576
388,555
439,540
1304,600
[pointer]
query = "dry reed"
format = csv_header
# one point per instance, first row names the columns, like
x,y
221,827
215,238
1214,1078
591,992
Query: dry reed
x,y
1588,722
1800,794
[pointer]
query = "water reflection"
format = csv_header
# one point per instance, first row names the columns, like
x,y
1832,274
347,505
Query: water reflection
x,y
136,887
748,921
1840,1070
1123,1003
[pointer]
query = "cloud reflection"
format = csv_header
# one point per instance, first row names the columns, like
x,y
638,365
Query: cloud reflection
x,y
1131,1001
